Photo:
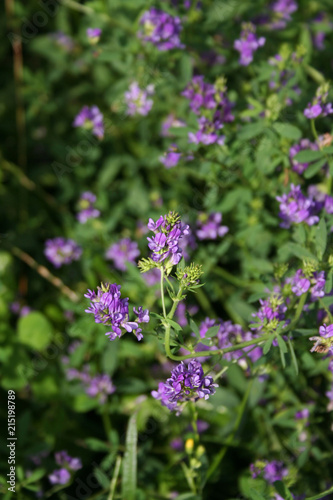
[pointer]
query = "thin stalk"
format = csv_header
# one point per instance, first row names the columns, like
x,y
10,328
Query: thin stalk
x,y
162,291
232,279
218,459
106,422
45,273
114,479
321,495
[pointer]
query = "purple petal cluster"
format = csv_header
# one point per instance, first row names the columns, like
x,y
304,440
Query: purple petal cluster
x,y
296,148
272,311
187,383
171,157
122,252
138,100
19,309
166,240
318,106
161,29
208,132
111,310
62,251
295,208
229,334
282,10
248,43
86,207
270,471
209,226
99,385
63,40
300,284
200,94
171,122
94,34
67,464
90,118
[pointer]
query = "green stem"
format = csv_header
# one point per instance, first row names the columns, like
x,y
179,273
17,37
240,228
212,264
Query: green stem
x,y
232,279
106,422
321,495
194,421
162,292
314,130
113,483
217,460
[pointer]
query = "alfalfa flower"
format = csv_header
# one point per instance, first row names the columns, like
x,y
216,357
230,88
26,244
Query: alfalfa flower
x,y
122,252
94,35
90,118
138,100
248,43
161,29
62,251
86,207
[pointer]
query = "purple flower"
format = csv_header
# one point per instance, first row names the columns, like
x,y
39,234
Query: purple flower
x,y
63,40
326,331
209,226
170,122
318,106
122,252
20,310
138,102
200,94
271,471
299,283
171,157
90,118
295,208
296,148
62,458
86,207
164,244
109,309
271,312
161,29
142,315
152,277
101,386
328,207
208,132
248,43
61,251
187,383
282,10
94,34
59,476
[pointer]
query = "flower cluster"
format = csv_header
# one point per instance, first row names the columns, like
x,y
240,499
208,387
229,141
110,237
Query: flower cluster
x,y
296,148
282,10
171,157
171,122
248,43
122,252
161,29
138,101
99,385
90,118
86,207
164,244
68,464
19,309
270,314
111,310
61,251
209,226
295,208
187,383
318,106
94,35
206,96
301,284
270,471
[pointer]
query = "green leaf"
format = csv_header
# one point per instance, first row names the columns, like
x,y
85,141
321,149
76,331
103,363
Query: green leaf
x,y
96,444
35,476
251,130
283,349
308,155
299,251
212,331
130,461
195,328
174,325
293,356
321,238
287,130
35,331
255,495
314,168
268,345
282,490
329,282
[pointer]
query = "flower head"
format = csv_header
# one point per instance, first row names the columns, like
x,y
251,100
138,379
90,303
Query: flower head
x,y
161,29
248,43
209,226
138,101
122,252
90,118
86,207
111,310
187,383
61,251
59,476
318,106
94,34
295,208
101,386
